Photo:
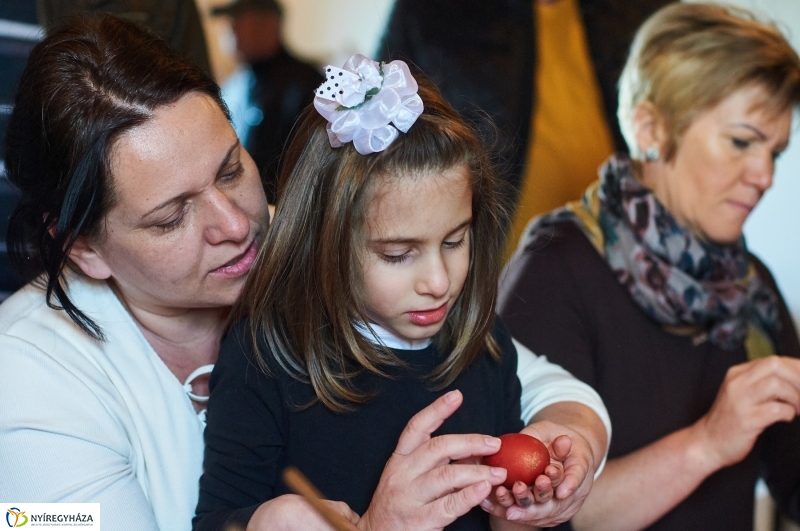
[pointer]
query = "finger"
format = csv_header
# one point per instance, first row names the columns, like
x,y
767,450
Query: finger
x,y
561,447
444,449
494,508
419,428
446,509
449,478
770,413
503,497
542,489
522,494
786,368
575,472
555,472
345,510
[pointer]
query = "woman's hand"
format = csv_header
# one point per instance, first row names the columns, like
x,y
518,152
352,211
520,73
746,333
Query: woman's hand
x,y
753,396
421,488
559,492
291,512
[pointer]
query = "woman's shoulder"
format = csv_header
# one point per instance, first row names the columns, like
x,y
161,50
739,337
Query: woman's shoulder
x,y
564,239
558,259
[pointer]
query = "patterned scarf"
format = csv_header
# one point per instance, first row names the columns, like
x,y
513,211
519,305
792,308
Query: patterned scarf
x,y
688,285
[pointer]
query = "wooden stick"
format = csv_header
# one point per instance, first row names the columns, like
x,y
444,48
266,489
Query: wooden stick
x,y
296,481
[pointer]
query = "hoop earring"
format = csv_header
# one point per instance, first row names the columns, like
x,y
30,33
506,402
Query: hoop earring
x,y
651,154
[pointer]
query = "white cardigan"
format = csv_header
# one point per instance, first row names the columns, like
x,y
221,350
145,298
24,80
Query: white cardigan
x,y
82,420
89,421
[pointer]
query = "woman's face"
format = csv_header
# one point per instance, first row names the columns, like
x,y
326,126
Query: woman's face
x,y
723,165
190,211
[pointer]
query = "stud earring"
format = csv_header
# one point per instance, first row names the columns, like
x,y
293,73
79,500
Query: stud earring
x,y
651,154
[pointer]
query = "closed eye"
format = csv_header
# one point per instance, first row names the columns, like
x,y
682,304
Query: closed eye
x,y
740,143
455,245
173,223
395,259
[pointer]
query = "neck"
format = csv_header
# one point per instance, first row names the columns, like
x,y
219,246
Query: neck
x,y
184,338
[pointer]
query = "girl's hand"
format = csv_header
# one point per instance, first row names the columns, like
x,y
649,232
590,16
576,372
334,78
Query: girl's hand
x,y
421,488
291,512
753,396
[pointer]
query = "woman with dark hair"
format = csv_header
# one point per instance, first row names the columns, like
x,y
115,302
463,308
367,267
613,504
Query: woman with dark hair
x,y
646,290
140,215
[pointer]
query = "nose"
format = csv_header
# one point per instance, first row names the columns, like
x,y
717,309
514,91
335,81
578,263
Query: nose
x,y
225,220
760,172
434,277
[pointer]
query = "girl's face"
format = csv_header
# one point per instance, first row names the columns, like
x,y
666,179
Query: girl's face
x,y
416,251
190,211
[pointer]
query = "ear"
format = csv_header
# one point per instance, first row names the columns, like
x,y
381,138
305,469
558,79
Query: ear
x,y
649,127
86,257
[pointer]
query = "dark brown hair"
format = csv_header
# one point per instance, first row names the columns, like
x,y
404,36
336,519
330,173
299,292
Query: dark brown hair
x,y
85,84
301,296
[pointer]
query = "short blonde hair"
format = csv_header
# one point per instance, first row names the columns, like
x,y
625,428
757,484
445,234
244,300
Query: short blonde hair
x,y
686,58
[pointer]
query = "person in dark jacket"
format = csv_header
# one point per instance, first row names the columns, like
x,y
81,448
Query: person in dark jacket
x,y
281,85
176,21
483,55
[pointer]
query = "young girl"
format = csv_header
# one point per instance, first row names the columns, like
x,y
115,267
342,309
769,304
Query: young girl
x,y
373,297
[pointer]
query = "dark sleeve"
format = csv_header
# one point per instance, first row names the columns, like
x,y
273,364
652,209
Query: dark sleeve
x,y
542,307
780,443
244,438
512,389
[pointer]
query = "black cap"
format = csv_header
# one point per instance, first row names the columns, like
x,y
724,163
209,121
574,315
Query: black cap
x,y
239,6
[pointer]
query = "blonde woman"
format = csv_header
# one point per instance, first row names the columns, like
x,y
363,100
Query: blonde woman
x,y
645,288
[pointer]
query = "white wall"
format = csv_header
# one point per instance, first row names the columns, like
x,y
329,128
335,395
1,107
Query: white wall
x,y
321,31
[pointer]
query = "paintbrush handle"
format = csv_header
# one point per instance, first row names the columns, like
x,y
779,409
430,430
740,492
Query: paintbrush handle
x,y
296,481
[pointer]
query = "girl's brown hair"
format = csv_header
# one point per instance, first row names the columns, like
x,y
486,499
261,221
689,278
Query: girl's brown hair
x,y
301,296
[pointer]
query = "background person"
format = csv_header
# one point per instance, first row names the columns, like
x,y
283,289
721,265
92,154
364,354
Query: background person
x,y
646,290
279,85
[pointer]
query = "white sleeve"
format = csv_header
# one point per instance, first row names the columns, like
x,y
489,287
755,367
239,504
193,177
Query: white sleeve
x,y
545,383
59,440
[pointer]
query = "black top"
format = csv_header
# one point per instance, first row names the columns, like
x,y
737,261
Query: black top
x,y
560,299
283,87
254,430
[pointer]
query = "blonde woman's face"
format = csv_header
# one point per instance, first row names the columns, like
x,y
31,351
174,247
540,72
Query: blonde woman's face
x,y
723,165
416,251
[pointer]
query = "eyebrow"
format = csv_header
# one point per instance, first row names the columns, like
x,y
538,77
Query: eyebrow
x,y
385,241
180,198
757,131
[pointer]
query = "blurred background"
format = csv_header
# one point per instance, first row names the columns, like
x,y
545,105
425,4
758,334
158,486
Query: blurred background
x,y
321,32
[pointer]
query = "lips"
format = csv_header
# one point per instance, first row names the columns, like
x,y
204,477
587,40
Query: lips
x,y
240,265
747,207
428,317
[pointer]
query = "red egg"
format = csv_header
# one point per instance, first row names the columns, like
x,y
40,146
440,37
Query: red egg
x,y
523,456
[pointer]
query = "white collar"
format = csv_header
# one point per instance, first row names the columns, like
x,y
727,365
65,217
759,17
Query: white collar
x,y
384,337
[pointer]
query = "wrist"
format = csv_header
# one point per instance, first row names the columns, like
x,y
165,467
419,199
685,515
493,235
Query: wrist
x,y
700,451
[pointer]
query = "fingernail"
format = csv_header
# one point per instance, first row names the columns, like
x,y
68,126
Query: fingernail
x,y
525,502
499,472
486,505
451,397
492,442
